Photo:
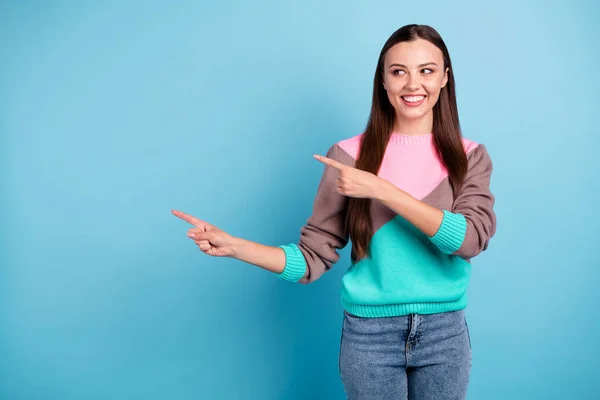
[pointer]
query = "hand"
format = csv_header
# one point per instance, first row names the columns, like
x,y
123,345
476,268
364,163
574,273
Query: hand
x,y
210,239
353,182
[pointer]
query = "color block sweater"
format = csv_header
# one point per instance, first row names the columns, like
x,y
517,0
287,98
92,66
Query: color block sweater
x,y
406,271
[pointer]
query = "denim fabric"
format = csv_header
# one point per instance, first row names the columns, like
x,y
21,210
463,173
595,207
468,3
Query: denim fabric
x,y
414,357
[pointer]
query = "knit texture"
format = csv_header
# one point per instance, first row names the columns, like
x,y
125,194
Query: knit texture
x,y
406,270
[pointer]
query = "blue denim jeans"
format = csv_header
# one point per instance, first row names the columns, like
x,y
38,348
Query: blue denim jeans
x,y
414,357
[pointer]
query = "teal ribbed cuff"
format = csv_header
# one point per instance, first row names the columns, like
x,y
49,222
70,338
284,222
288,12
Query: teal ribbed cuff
x,y
295,264
451,234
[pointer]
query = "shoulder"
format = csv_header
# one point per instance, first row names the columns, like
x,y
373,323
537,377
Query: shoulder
x,y
474,149
478,157
469,145
346,150
351,145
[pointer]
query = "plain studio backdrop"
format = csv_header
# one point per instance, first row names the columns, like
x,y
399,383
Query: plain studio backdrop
x,y
113,114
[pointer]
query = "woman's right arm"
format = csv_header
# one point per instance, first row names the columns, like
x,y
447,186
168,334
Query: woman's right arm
x,y
266,257
320,238
324,233
218,243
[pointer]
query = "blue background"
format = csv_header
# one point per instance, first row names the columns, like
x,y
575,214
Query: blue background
x,y
114,113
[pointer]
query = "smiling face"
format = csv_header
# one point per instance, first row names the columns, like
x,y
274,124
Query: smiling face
x,y
413,76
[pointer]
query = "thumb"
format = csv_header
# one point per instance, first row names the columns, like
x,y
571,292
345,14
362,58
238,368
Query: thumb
x,y
200,234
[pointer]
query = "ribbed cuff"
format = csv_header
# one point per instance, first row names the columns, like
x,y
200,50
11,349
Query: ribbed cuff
x,y
295,264
451,234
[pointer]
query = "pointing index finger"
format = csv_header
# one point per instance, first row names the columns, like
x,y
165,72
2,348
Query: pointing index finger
x,y
330,162
188,218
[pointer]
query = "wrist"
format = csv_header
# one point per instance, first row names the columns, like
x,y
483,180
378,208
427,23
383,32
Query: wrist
x,y
237,247
385,192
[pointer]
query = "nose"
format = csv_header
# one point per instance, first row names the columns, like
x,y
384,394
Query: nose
x,y
413,82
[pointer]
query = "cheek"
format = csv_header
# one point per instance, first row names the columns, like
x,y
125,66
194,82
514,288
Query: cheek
x,y
393,89
433,89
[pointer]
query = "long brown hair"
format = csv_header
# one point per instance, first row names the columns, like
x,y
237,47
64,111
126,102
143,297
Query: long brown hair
x,y
447,135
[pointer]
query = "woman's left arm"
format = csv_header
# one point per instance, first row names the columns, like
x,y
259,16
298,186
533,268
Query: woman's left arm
x,y
465,230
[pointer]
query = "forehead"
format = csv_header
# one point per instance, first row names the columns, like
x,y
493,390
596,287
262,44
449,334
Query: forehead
x,y
413,53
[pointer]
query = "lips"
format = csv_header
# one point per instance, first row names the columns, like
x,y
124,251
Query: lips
x,y
413,100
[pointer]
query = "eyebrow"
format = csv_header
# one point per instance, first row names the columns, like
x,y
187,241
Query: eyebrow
x,y
419,66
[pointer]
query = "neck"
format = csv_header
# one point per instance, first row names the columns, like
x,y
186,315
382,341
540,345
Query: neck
x,y
414,126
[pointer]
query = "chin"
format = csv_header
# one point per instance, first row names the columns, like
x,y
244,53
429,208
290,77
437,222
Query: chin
x,y
413,115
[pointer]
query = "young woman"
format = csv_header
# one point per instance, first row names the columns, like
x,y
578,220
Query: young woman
x,y
413,197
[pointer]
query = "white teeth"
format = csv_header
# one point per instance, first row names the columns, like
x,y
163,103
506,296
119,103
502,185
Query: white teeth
x,y
413,99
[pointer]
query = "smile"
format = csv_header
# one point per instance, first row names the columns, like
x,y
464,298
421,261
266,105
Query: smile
x,y
413,101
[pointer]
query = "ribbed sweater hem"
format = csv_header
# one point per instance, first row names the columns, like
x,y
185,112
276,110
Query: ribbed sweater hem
x,y
395,310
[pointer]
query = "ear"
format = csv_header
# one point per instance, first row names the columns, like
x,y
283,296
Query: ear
x,y
445,81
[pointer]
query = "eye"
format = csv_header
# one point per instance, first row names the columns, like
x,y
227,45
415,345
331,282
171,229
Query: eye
x,y
398,72
427,70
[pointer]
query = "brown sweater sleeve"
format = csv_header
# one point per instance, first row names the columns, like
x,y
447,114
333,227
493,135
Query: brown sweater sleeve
x,y
476,203
467,229
324,232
